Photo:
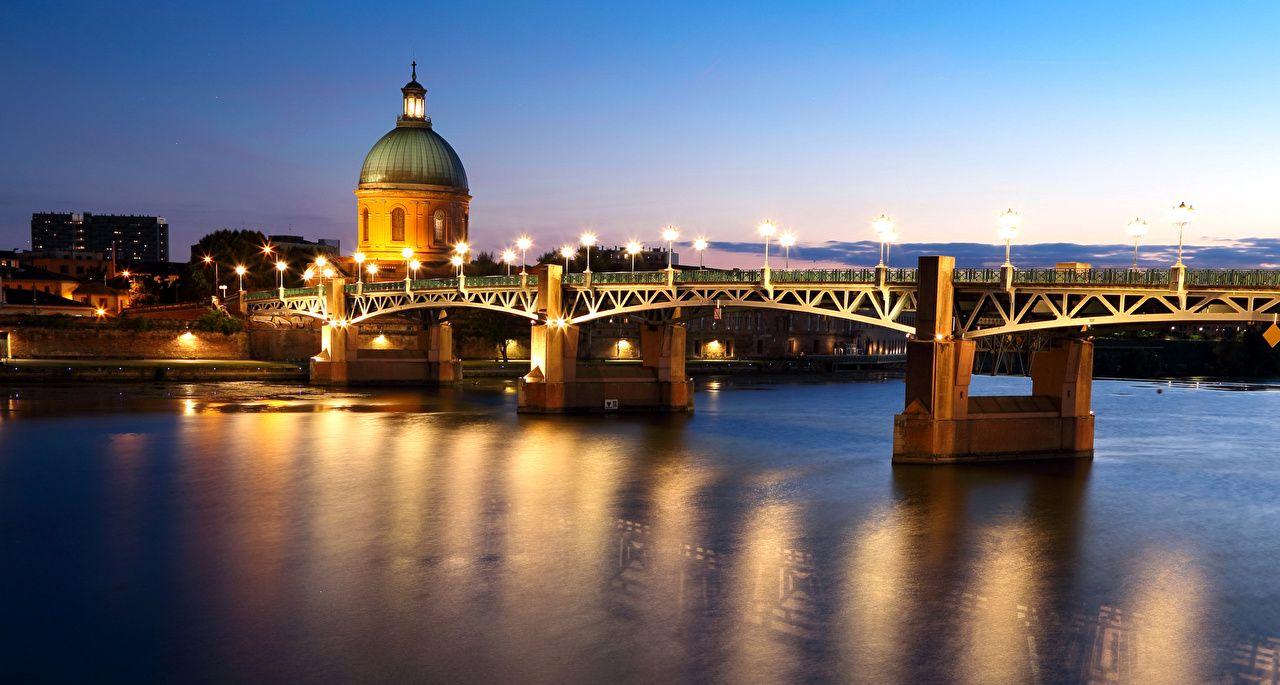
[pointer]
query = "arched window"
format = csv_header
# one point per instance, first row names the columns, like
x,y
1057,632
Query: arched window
x,y
437,221
364,225
397,225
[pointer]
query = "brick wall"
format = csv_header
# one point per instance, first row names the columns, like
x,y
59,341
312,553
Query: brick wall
x,y
90,343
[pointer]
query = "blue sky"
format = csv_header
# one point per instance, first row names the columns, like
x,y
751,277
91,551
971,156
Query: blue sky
x,y
623,118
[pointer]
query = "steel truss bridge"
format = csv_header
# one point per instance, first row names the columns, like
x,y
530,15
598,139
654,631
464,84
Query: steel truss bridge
x,y
989,301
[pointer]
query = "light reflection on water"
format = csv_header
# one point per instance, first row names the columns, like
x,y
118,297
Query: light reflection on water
x,y
272,533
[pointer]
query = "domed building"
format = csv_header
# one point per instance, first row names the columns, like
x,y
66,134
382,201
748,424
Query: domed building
x,y
413,189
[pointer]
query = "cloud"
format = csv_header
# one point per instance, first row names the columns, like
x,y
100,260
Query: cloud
x,y
1240,253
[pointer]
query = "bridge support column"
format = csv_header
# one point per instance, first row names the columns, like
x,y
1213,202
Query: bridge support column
x,y
942,423
558,382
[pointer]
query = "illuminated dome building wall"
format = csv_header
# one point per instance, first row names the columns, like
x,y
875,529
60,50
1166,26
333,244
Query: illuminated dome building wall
x,y
413,189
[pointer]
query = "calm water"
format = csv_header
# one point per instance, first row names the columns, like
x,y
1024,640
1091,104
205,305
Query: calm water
x,y
256,533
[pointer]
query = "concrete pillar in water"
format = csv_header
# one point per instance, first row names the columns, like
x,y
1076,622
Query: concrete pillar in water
x,y
942,423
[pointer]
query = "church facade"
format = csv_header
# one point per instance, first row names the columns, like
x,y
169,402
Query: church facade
x,y
413,190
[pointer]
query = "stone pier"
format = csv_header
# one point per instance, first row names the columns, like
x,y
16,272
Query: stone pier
x,y
942,423
342,361
559,382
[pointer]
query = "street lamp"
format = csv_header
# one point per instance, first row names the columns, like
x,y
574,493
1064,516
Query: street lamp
x,y
1136,229
634,248
280,269
567,251
329,272
670,234
523,243
885,230
1182,215
1007,225
460,250
700,245
587,239
766,229
240,272
786,240
508,258
456,261
414,265
308,275
267,250
407,255
373,271
359,259
208,259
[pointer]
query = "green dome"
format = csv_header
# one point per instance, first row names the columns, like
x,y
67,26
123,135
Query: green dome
x,y
414,154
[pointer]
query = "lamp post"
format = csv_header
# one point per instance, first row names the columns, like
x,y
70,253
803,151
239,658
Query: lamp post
x,y
280,269
567,251
670,234
373,272
1182,215
766,229
1007,225
884,227
1136,228
508,258
634,248
523,243
208,259
414,265
461,249
786,240
587,240
240,272
700,245
407,255
359,260
456,261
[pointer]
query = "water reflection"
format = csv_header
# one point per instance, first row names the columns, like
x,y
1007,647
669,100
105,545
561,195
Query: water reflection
x,y
341,538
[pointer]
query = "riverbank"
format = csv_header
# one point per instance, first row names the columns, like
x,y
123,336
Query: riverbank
x,y
186,370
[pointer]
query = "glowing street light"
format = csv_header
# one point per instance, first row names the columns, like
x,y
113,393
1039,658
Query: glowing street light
x,y
414,265
1007,225
523,243
766,229
508,258
460,250
587,239
240,272
700,245
1136,228
126,274
329,272
456,261
407,255
670,234
208,259
634,248
100,312
886,230
321,261
359,260
281,266
786,240
567,251
1181,216
308,275
373,271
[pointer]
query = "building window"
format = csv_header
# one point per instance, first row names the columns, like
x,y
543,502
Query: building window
x,y
397,225
364,225
437,221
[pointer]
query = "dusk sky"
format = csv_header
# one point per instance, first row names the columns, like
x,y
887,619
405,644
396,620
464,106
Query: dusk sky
x,y
622,119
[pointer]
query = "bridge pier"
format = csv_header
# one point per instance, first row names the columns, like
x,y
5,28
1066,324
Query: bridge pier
x,y
942,423
558,382
342,361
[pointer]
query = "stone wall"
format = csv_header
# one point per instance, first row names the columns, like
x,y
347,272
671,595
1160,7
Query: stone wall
x,y
284,344
92,343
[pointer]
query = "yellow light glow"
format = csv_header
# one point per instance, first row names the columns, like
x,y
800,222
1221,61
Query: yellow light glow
x,y
328,273
281,266
882,224
358,257
1008,223
100,312
415,265
587,239
767,228
187,338
624,344
406,252
207,259
700,244
524,242
1182,214
125,273
380,340
321,261
568,251
372,268
456,260
240,271
787,239
634,248
508,256
671,233
461,248
1137,227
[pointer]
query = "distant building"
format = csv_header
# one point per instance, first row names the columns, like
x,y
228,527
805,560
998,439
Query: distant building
x,y
128,237
286,244
72,263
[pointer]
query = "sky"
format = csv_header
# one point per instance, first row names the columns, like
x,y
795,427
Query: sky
x,y
623,117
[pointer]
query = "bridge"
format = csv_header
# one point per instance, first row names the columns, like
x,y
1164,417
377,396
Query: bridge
x,y
942,309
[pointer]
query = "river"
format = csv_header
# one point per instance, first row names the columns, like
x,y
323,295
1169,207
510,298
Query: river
x,y
253,532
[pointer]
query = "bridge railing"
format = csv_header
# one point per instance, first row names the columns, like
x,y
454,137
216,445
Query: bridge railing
x,y
1138,277
720,276
1244,278
627,278
262,295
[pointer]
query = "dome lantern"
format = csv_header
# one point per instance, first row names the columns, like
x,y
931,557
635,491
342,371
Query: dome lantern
x,y
414,111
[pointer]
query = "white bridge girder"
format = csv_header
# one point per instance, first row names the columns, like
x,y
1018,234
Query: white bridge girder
x,y
980,311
